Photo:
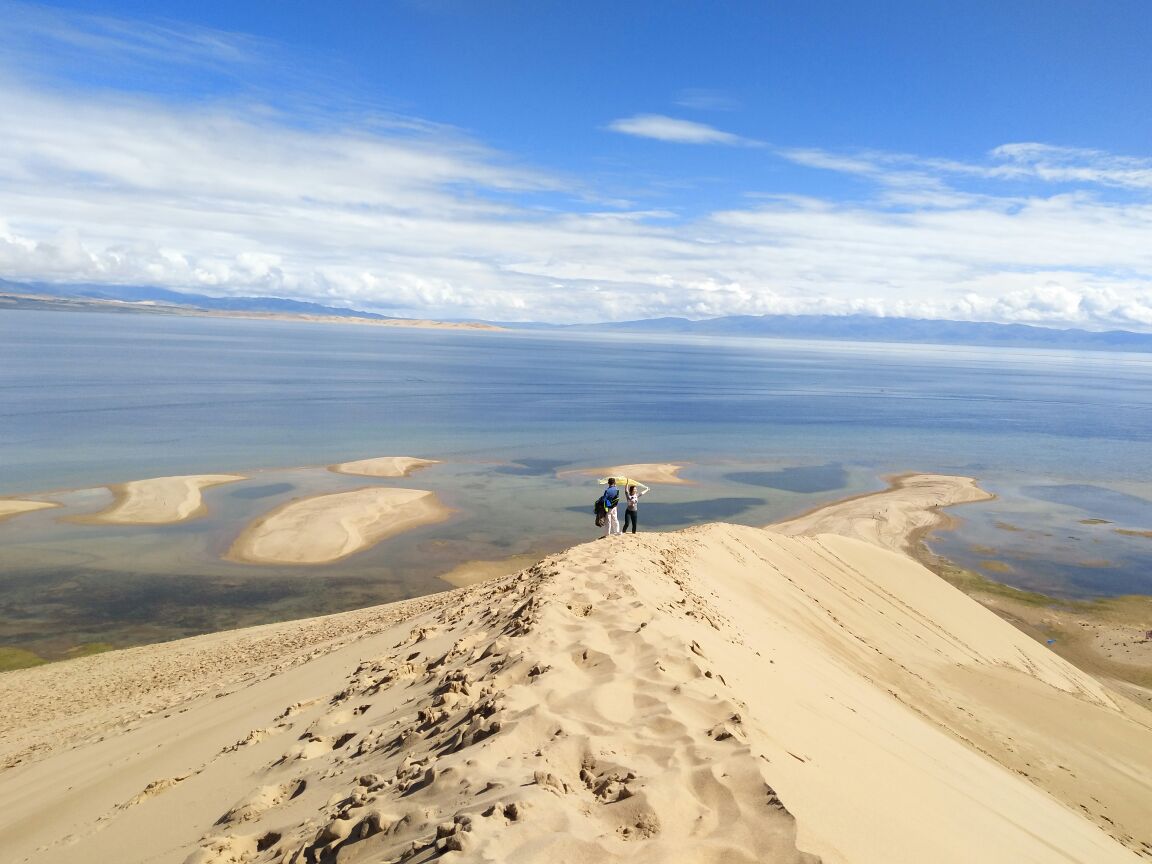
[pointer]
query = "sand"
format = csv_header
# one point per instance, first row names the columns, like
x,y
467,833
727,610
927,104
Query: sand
x,y
895,518
472,572
326,528
719,694
10,507
382,466
160,500
649,473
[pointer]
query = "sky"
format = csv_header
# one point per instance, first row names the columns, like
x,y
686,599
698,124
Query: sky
x,y
519,160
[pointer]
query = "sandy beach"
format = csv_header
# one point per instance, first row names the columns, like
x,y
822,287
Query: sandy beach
x,y
382,466
160,500
10,507
326,528
722,693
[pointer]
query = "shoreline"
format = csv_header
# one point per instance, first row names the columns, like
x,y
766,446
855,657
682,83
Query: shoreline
x,y
12,507
47,303
1077,630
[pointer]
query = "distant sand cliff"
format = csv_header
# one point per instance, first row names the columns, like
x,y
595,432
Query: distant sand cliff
x,y
718,694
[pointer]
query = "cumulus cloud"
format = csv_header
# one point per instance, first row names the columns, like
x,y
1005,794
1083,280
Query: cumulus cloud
x,y
677,131
407,217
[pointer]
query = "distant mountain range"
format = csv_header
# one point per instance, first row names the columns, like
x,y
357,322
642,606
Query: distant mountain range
x,y
164,297
849,328
864,328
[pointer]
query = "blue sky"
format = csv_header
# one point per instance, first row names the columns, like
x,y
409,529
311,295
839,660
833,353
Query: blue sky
x,y
592,161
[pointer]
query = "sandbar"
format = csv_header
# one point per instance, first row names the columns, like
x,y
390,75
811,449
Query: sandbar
x,y
895,518
325,528
10,507
383,466
159,500
667,473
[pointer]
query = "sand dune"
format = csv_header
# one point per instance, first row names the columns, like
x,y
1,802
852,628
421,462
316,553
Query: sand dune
x,y
382,466
330,527
10,507
723,693
160,500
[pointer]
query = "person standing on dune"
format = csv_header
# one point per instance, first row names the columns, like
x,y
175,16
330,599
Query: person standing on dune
x,y
633,499
611,500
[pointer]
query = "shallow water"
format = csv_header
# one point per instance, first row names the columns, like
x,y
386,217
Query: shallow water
x,y
766,428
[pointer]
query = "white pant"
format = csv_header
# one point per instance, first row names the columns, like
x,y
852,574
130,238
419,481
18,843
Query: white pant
x,y
612,523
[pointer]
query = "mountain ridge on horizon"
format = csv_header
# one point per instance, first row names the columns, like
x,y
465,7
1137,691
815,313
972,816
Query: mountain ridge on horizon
x,y
852,328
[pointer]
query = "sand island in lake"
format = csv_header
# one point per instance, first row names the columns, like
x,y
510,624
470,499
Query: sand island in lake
x,y
325,528
667,473
160,500
383,466
719,694
10,507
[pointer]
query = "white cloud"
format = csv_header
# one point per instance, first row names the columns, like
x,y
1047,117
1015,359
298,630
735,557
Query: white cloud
x,y
676,131
414,218
1015,162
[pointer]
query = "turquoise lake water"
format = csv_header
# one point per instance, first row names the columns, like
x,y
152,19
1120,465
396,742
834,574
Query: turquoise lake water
x,y
765,428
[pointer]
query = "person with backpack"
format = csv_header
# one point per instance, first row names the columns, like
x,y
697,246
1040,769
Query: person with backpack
x,y
633,499
611,498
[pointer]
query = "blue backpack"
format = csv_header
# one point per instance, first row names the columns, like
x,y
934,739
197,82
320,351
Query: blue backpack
x,y
611,497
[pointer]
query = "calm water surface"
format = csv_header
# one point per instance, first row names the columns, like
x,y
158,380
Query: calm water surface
x,y
767,428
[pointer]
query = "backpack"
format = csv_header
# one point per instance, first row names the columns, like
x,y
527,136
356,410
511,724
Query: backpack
x,y
601,513
611,498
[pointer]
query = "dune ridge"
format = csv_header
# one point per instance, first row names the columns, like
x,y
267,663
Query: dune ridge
x,y
719,694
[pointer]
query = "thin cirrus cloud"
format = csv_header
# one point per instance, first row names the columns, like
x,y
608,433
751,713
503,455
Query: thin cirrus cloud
x,y
674,130
1025,161
702,99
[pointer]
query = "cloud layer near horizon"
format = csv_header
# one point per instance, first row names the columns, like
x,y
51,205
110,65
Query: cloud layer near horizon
x,y
398,215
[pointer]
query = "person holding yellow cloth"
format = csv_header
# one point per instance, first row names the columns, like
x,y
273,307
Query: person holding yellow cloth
x,y
632,497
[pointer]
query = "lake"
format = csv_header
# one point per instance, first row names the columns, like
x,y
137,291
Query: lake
x,y
765,428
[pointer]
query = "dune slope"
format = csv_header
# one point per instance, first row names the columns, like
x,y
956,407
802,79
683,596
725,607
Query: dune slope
x,y
717,694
